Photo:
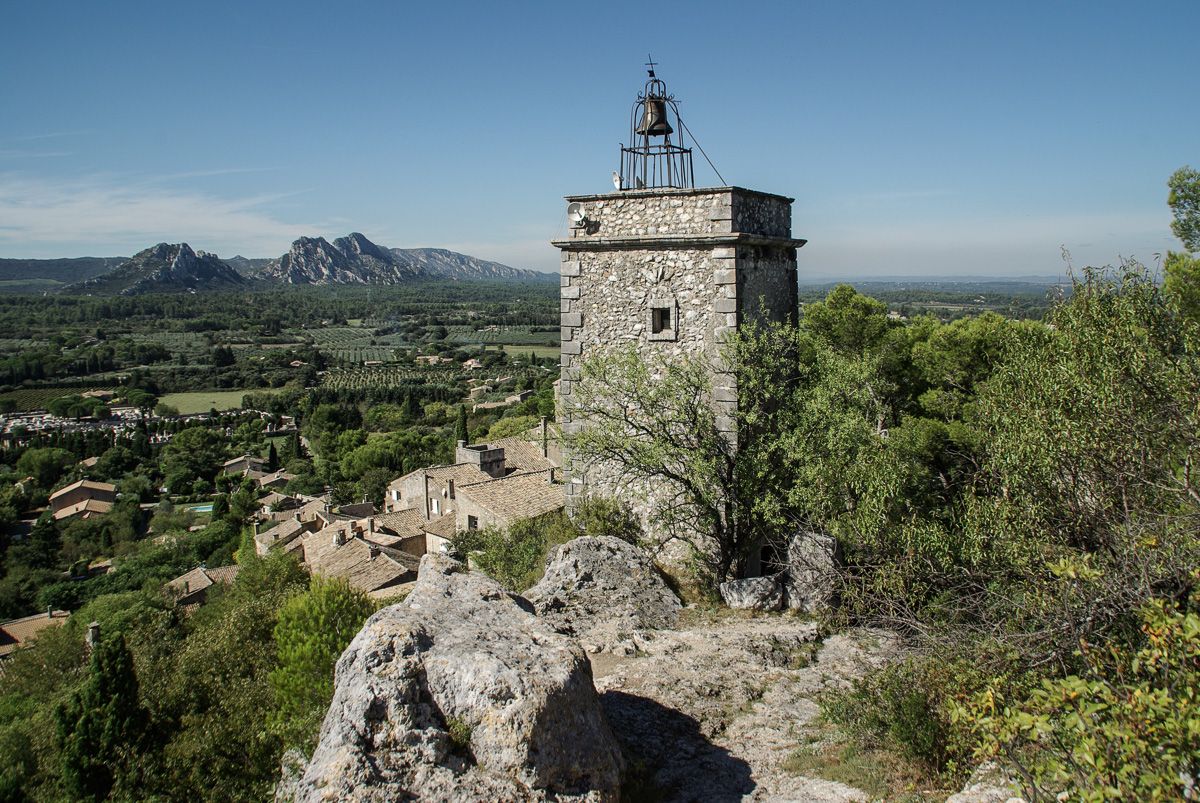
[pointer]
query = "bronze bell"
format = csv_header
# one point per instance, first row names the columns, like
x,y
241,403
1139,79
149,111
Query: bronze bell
x,y
654,119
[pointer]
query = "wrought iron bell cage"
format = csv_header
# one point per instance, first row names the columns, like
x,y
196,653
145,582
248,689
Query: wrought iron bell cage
x,y
657,155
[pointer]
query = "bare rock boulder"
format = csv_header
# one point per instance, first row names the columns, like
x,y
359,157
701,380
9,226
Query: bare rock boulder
x,y
601,590
459,693
754,593
810,572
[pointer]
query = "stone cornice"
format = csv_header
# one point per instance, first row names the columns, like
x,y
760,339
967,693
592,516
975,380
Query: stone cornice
x,y
674,241
672,191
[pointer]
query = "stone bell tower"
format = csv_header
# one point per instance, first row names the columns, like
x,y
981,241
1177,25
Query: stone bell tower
x,y
666,266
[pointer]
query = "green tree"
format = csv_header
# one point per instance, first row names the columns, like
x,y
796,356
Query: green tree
x,y
101,725
1184,200
1182,270
312,631
45,465
196,453
460,427
720,485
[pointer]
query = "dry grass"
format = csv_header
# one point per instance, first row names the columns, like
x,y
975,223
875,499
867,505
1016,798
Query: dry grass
x,y
882,774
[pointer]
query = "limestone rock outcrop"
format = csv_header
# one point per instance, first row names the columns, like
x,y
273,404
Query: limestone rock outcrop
x,y
601,590
459,693
754,593
809,576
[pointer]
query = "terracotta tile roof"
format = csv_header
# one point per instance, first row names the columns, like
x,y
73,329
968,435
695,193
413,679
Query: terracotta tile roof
x,y
223,575
17,633
442,526
461,474
273,498
201,578
518,496
191,582
365,566
280,477
521,454
87,508
357,510
96,487
287,530
401,522
383,539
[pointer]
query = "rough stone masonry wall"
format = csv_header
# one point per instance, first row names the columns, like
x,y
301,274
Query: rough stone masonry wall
x,y
641,213
644,249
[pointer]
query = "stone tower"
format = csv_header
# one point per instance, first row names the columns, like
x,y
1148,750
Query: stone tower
x,y
666,266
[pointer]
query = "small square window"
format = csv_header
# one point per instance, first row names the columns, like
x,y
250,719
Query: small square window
x,y
664,318
472,523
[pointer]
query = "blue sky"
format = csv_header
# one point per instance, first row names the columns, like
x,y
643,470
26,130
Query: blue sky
x,y
935,138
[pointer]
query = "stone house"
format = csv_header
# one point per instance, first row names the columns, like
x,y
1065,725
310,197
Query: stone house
x,y
191,589
273,480
84,499
502,502
434,490
282,534
498,482
246,464
358,552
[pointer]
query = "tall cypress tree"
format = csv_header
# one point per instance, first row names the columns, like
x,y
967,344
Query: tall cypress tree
x,y
101,723
460,429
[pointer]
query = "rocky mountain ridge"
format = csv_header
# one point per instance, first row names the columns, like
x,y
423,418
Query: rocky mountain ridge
x,y
354,259
162,268
349,260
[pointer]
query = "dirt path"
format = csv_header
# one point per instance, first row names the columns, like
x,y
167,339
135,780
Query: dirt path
x,y
713,712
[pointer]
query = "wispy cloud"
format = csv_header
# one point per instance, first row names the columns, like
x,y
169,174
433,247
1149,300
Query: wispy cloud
x,y
105,214
53,135
25,153
222,171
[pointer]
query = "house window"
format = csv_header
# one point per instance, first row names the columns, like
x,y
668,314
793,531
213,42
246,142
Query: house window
x,y
437,507
450,487
472,523
664,319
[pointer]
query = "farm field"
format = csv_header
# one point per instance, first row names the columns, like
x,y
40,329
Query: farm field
x,y
26,399
507,335
513,350
202,401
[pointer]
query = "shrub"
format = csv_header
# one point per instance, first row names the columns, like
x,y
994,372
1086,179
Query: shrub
x,y
313,630
1126,729
515,558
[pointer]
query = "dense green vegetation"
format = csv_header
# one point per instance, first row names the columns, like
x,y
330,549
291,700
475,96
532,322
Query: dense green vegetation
x,y
1019,498
180,343
171,706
